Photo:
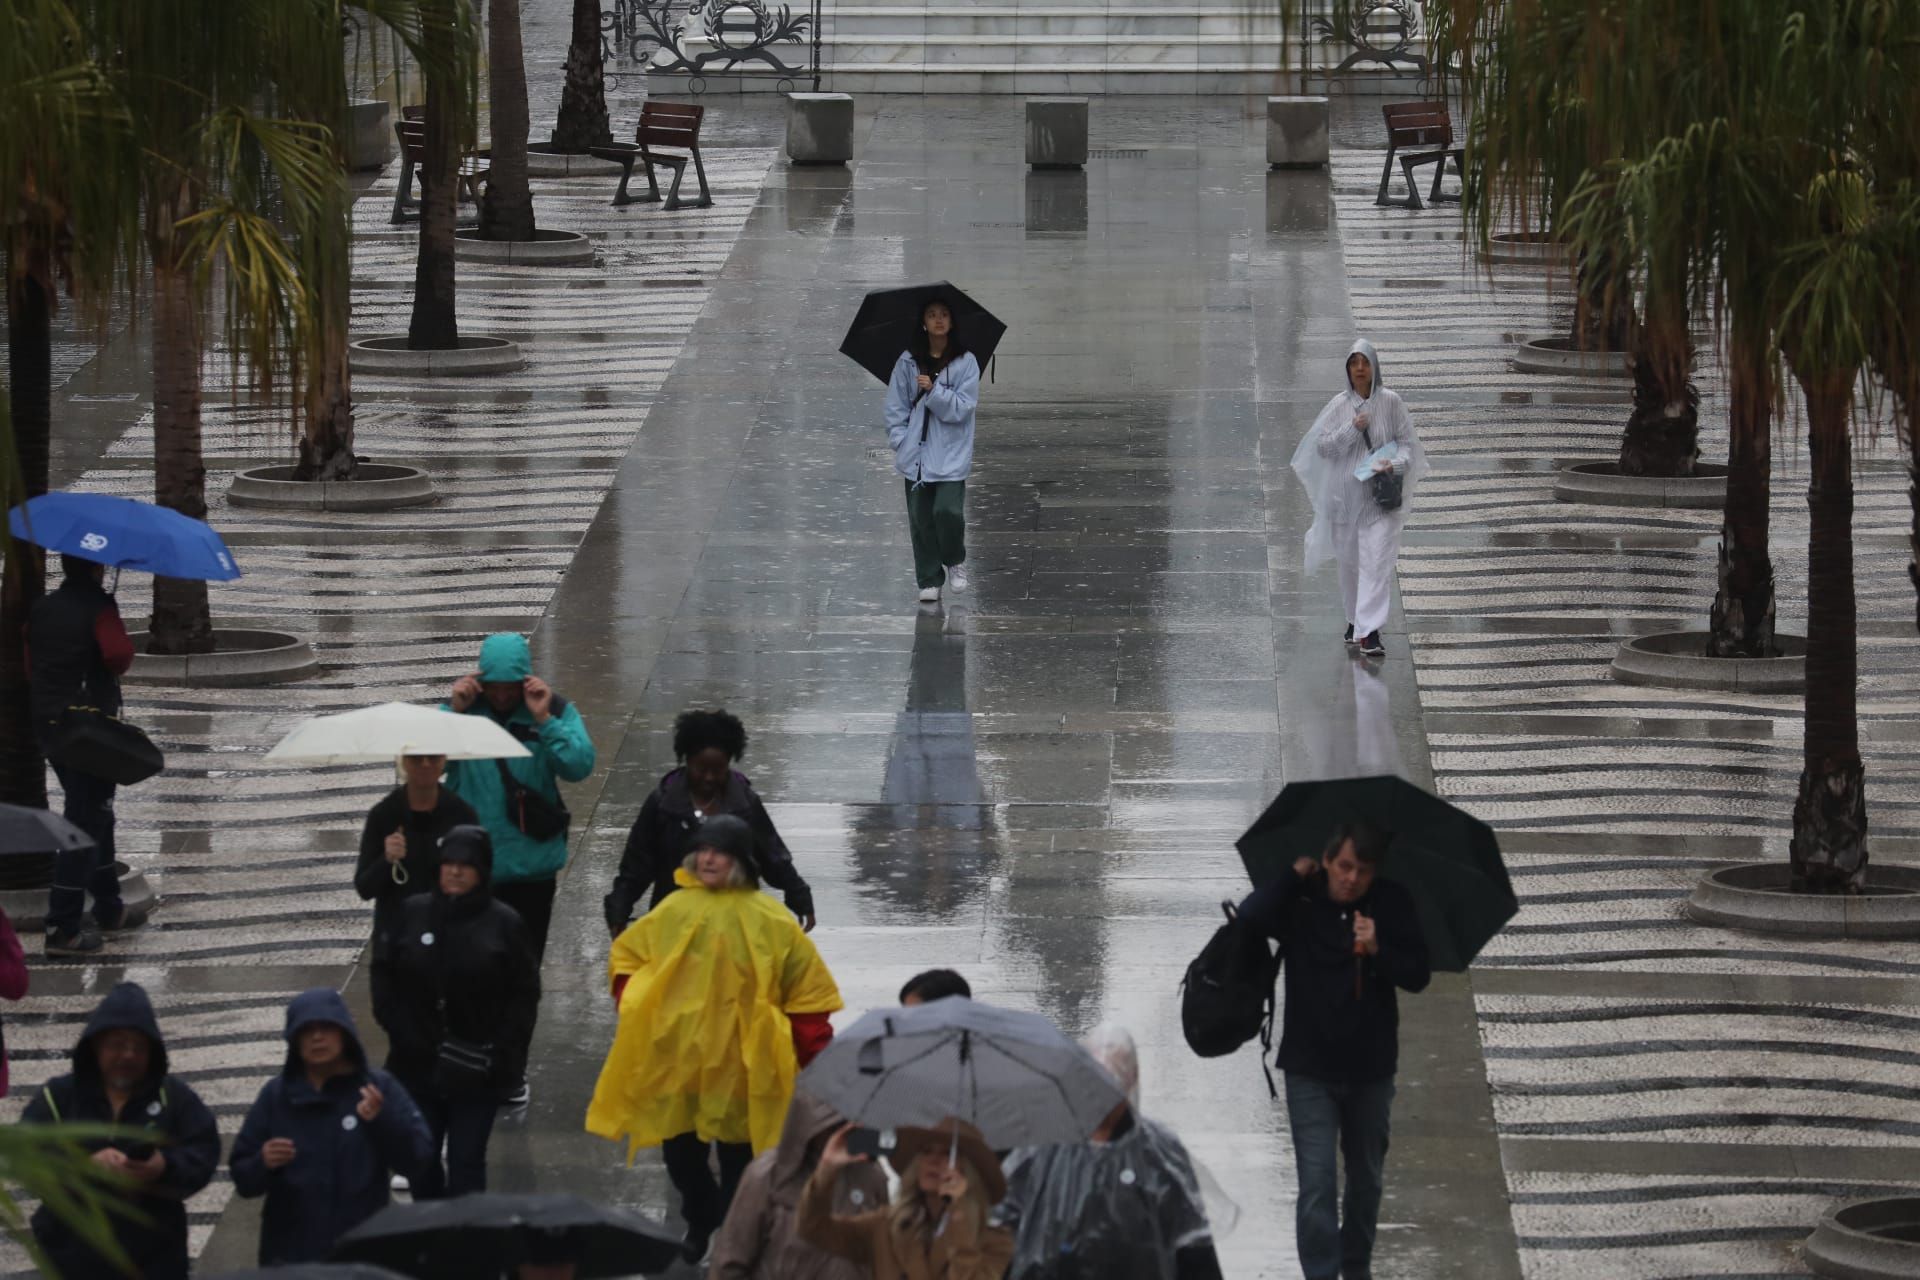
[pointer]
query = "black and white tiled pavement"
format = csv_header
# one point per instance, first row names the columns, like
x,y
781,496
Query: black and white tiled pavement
x,y
257,866
1673,1100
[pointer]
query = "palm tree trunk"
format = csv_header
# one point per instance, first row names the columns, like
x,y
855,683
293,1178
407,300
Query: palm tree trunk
x,y
1603,315
1741,622
583,118
433,327
1829,847
1662,437
506,210
23,774
326,443
181,622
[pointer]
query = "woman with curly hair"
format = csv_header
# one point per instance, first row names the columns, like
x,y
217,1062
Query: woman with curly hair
x,y
704,783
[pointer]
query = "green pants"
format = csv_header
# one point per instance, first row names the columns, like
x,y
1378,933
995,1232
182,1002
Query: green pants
x,y
937,518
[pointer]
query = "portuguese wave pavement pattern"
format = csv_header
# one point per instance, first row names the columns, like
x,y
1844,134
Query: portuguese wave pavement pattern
x,y
254,863
1673,1099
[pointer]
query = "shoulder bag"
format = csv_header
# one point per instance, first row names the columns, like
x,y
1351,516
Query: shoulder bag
x,y
1387,487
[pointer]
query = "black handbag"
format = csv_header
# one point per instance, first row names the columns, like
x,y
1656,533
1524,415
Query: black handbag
x,y
531,813
88,740
1387,487
463,1068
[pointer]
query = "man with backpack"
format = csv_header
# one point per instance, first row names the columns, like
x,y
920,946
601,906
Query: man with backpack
x,y
1350,939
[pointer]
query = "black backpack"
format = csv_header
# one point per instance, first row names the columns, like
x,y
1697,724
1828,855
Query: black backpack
x,y
1227,997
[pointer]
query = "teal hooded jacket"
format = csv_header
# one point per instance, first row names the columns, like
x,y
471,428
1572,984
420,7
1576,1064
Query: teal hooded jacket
x,y
561,751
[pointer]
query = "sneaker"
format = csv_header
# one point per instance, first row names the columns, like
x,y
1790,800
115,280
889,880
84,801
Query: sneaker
x,y
929,595
399,1183
1348,638
1372,647
957,577
520,1097
73,942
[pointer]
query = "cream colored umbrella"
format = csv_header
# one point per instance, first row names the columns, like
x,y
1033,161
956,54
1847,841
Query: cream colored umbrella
x,y
382,734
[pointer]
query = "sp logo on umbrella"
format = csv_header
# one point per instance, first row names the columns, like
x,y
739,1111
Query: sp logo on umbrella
x,y
93,542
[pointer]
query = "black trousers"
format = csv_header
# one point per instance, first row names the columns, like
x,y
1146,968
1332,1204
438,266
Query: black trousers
x,y
533,900
704,1202
462,1127
79,872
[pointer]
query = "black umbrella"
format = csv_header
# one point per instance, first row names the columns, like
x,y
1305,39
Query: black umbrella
x,y
487,1234
1448,860
889,320
314,1271
24,830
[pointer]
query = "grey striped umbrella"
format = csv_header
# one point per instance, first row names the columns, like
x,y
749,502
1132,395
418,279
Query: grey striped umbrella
x,y
1013,1076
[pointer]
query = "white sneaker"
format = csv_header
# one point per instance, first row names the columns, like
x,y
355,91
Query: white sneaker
x,y
399,1182
929,595
957,577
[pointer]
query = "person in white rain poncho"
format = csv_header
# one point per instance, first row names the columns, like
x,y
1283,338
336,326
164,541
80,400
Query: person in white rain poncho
x,y
1364,427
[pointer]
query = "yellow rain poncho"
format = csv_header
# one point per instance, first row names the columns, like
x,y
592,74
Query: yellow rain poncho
x,y
704,1045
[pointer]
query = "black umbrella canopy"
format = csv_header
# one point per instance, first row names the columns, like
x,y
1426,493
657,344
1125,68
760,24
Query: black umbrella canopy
x,y
314,1271
25,830
1446,858
889,320
484,1235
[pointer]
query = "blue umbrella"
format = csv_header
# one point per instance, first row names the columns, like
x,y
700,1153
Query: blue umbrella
x,y
125,534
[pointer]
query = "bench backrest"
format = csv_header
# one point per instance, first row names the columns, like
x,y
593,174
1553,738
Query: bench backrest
x,y
669,124
1418,124
412,135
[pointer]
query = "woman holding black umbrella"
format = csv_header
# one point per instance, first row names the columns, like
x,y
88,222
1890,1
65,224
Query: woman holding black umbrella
x,y
930,406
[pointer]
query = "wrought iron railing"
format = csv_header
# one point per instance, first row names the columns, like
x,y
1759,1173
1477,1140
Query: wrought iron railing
x,y
702,38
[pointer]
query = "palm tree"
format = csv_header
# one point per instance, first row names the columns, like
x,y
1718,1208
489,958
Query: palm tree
x,y
583,120
449,71
506,210
59,219
222,177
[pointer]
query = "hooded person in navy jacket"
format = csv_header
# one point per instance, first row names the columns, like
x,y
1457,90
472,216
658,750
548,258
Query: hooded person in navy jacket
x,y
120,1077
325,1137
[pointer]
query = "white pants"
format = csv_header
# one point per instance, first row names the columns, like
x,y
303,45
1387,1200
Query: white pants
x,y
1367,551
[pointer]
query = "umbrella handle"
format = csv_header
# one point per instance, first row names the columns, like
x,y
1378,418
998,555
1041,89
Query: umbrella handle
x,y
400,875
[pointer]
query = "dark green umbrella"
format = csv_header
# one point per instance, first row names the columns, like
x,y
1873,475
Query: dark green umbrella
x,y
1447,859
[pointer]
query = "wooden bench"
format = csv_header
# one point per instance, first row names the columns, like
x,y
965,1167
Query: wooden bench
x,y
662,124
410,131
1424,125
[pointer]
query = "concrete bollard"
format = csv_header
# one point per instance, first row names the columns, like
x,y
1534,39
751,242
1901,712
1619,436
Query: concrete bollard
x,y
819,128
1057,133
1297,133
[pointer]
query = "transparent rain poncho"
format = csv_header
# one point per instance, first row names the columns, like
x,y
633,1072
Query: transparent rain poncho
x,y
1120,1208
1330,450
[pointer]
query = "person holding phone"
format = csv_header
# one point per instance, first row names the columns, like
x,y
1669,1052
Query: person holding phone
x,y
1360,462
166,1151
930,422
519,800
939,1226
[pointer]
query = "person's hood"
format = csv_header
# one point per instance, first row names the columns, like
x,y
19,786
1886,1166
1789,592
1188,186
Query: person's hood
x,y
1361,347
809,1124
468,845
126,1007
725,833
504,656
677,798
321,1004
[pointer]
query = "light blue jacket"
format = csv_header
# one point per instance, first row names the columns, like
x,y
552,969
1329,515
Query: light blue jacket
x,y
933,440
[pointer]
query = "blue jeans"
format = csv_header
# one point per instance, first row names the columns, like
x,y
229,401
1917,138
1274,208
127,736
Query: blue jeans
x,y
1350,1121
78,872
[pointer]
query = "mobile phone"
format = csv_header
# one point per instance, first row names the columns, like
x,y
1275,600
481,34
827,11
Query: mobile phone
x,y
871,1143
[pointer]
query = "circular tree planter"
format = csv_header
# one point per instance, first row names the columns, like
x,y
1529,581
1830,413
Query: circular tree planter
x,y
546,249
1559,355
1524,249
1601,484
544,162
26,903
240,659
476,354
1678,660
375,486
1757,896
1868,1240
